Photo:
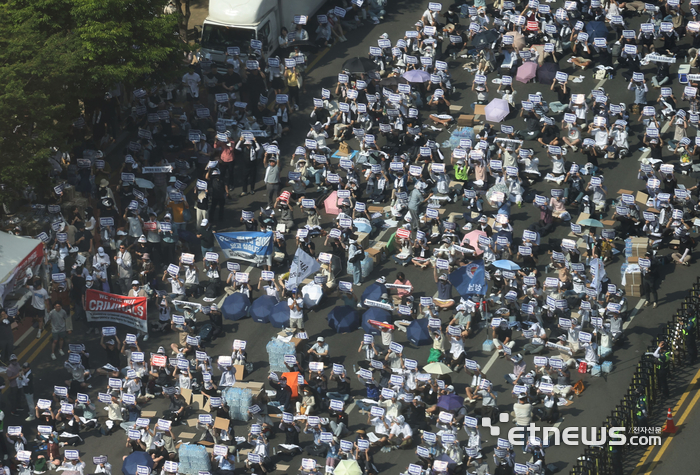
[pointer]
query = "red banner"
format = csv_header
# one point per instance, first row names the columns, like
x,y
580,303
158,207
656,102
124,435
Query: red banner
x,y
103,307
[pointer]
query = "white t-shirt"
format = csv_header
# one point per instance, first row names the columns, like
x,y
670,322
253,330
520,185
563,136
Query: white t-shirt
x,y
175,286
293,312
39,298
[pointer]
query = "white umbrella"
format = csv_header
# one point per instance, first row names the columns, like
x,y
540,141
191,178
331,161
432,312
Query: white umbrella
x,y
143,183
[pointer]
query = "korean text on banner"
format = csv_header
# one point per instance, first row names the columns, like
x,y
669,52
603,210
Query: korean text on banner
x,y
253,247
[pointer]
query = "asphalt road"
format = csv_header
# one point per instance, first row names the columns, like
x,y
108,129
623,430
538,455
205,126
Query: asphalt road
x,y
601,394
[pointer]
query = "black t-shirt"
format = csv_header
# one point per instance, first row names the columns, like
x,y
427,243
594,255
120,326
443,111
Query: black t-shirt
x,y
230,80
503,333
207,239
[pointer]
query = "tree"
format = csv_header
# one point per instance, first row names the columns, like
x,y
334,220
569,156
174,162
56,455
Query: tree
x,y
58,55
183,16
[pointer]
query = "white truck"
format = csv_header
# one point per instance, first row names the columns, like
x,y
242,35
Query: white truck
x,y
234,23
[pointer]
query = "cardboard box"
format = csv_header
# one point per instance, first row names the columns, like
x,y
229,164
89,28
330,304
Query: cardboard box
x,y
363,240
376,209
455,108
633,290
466,120
480,109
633,260
639,246
641,198
240,372
375,254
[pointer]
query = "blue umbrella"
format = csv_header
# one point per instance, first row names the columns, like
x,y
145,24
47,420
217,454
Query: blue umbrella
x,y
373,292
280,315
261,308
374,313
134,460
596,29
344,319
235,306
505,264
418,332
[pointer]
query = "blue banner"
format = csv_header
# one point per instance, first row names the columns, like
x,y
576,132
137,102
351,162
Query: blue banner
x,y
250,246
469,279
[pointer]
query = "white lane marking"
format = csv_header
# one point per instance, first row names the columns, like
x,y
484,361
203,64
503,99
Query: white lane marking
x,y
634,313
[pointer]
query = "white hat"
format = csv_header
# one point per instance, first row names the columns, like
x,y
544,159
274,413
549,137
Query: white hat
x,y
135,282
101,251
205,222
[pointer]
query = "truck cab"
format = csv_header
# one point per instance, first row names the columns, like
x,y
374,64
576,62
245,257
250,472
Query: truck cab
x,y
234,23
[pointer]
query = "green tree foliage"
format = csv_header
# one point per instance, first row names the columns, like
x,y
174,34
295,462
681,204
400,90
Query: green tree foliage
x,y
58,55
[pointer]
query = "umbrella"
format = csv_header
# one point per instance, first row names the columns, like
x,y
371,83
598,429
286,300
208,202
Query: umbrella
x,y
362,225
506,265
497,110
518,40
484,39
437,368
143,183
360,65
374,313
343,319
134,460
446,458
498,188
596,29
393,81
547,72
526,72
416,75
311,293
450,402
347,467
472,239
280,315
594,223
293,382
331,203
418,332
373,292
235,306
261,308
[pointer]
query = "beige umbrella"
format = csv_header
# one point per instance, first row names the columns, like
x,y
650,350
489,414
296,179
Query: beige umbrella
x,y
518,40
347,467
437,368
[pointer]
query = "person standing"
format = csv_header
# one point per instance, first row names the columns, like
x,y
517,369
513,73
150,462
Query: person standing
x,y
57,318
354,265
225,145
249,162
124,269
40,302
272,178
219,192
7,339
206,237
649,274
27,381
15,398
296,311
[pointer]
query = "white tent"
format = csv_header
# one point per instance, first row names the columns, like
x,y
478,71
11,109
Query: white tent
x,y
17,254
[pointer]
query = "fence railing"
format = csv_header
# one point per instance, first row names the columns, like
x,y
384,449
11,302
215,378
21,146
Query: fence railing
x,y
606,459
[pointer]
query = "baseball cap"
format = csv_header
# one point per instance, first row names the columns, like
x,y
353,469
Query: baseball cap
x,y
205,222
101,251
135,282
319,338
13,357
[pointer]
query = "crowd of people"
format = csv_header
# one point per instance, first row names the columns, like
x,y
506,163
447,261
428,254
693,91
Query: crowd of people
x,y
146,228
